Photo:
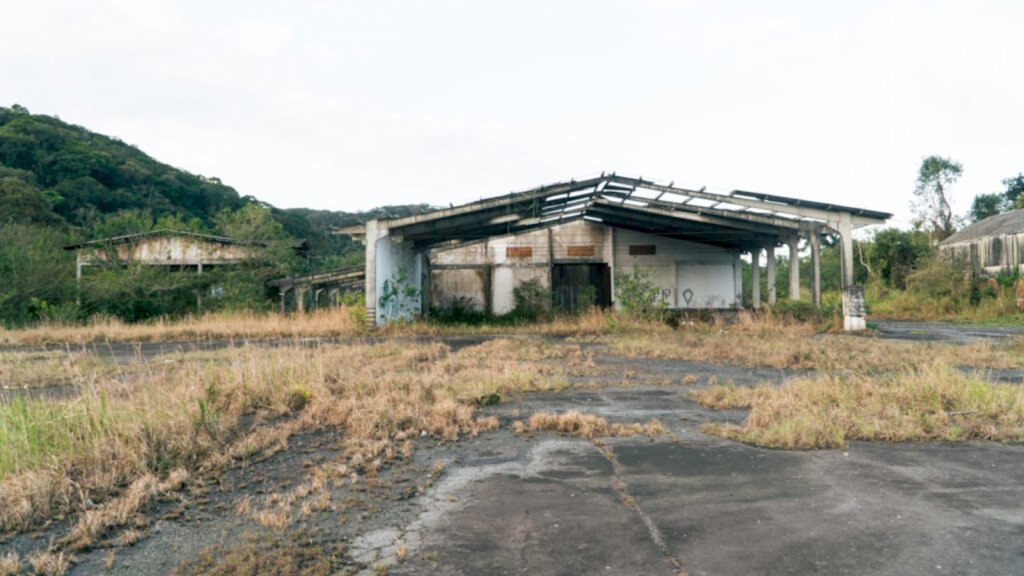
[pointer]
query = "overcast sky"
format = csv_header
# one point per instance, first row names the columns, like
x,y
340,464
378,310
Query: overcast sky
x,y
351,105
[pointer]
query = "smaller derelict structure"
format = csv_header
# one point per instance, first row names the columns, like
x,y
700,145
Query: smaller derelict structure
x,y
574,238
994,245
167,248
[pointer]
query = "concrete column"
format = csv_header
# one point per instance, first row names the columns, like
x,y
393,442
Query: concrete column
x,y
816,268
845,229
78,278
755,278
771,274
794,267
300,300
316,298
281,296
389,258
332,297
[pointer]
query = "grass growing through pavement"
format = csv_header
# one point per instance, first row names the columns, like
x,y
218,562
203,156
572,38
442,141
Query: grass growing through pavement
x,y
589,426
935,401
123,441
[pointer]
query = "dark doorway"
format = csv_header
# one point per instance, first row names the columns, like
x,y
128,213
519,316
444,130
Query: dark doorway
x,y
576,287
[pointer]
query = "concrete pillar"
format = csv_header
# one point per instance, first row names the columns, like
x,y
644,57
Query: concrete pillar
x,y
332,297
300,299
845,229
794,267
771,274
316,298
281,297
755,278
395,264
78,278
816,267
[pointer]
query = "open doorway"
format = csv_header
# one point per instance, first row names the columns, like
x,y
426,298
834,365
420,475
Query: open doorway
x,y
576,287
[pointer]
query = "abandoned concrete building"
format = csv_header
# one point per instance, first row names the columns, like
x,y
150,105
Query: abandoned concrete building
x,y
167,248
577,236
994,245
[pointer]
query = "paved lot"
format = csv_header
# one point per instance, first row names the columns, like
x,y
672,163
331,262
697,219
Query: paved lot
x,y
565,506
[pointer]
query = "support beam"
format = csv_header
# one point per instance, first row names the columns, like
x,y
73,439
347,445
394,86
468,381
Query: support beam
x,y
816,268
300,299
794,267
771,274
755,278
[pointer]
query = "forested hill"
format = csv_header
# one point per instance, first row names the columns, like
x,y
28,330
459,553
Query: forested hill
x,y
57,174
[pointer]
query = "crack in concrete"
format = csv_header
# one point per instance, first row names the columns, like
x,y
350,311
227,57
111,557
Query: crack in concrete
x,y
620,486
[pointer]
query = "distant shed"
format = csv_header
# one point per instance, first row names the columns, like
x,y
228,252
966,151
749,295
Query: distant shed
x,y
990,246
168,248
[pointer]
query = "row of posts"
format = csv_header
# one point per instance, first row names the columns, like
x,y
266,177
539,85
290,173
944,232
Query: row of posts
x,y
300,292
794,271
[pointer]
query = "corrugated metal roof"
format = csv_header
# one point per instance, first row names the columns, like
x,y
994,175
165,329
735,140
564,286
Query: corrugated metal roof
x,y
998,225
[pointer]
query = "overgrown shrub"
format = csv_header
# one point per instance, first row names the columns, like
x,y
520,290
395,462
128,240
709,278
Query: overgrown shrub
x,y
532,300
638,295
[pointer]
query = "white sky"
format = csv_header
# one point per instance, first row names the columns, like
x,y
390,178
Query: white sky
x,y
349,105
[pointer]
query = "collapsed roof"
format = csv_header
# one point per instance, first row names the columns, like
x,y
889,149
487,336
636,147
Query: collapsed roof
x,y
740,219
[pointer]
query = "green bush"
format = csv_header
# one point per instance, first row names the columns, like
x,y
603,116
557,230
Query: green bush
x,y
638,295
532,300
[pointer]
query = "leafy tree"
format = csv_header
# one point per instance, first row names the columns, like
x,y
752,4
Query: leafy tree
x,y
986,205
1014,193
897,253
23,202
37,273
932,205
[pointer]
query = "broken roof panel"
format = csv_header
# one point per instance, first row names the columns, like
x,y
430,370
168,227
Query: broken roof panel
x,y
738,219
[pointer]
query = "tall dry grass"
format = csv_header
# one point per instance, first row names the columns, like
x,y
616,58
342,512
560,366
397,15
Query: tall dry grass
x,y
934,401
55,455
326,322
778,342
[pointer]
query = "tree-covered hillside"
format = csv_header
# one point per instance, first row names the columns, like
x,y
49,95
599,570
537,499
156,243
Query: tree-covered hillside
x,y
61,183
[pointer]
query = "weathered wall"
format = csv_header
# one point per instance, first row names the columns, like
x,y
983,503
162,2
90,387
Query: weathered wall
x,y
992,254
170,251
710,273
485,273
503,262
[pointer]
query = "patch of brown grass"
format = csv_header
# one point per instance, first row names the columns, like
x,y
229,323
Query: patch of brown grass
x,y
10,564
260,556
580,425
933,402
118,512
48,563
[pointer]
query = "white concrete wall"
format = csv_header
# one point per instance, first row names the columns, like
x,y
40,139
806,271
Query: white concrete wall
x,y
396,263
710,272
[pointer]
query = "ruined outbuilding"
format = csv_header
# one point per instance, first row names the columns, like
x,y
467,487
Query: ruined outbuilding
x,y
575,237
994,245
166,248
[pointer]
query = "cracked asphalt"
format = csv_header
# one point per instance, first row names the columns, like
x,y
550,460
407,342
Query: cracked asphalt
x,y
702,505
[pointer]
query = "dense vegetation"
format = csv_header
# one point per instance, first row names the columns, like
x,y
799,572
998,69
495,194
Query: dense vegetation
x,y
61,183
